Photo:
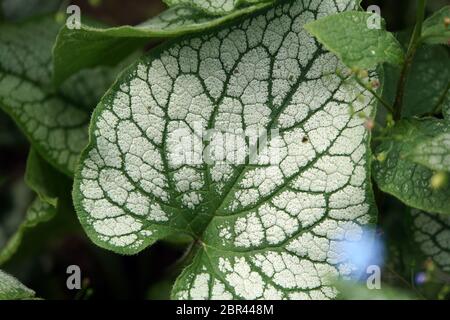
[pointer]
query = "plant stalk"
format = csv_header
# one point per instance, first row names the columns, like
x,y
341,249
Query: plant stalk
x,y
383,102
412,48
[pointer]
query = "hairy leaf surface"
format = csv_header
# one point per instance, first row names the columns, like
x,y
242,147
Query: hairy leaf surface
x,y
76,49
409,181
54,120
13,289
348,35
262,230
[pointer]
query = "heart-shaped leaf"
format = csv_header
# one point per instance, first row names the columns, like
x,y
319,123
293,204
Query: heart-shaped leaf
x,y
266,224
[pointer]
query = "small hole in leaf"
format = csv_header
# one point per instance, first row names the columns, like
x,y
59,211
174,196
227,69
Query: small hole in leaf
x,y
305,139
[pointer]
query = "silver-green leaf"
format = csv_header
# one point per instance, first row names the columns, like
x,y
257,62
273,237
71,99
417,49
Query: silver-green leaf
x,y
54,120
215,7
262,229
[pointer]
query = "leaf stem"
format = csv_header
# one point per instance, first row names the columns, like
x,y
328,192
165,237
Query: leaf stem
x,y
412,48
376,95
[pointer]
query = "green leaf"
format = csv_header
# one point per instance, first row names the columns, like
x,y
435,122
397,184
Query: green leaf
x,y
446,107
76,49
214,7
49,184
262,230
410,182
14,202
435,29
13,289
43,179
427,82
54,120
348,35
38,212
432,234
433,153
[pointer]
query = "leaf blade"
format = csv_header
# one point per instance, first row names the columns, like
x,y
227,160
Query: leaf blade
x,y
50,187
215,7
38,212
431,233
42,178
54,120
89,46
433,153
427,84
435,29
347,34
132,155
404,179
13,289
